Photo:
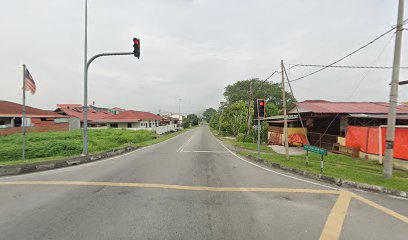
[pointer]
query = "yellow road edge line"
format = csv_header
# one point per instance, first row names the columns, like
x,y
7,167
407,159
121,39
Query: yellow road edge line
x,y
334,223
381,208
176,187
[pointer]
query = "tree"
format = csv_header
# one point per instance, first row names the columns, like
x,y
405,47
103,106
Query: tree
x,y
233,118
185,123
193,119
207,114
272,92
215,119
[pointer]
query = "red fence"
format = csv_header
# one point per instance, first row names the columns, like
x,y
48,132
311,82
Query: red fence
x,y
56,127
367,139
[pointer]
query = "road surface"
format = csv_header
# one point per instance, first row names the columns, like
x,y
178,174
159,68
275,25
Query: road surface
x,y
190,187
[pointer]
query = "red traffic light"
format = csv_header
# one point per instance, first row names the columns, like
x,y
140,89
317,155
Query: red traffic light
x,y
136,47
261,103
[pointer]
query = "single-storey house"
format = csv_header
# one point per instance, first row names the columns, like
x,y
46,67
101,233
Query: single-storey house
x,y
133,120
95,114
37,120
341,126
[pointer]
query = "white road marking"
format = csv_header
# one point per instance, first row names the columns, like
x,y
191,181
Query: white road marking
x,y
203,151
181,148
272,171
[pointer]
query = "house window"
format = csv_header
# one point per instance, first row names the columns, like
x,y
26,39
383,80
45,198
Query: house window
x,y
129,125
150,124
114,125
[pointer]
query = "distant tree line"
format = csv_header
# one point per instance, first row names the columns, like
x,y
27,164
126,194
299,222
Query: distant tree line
x,y
190,121
231,118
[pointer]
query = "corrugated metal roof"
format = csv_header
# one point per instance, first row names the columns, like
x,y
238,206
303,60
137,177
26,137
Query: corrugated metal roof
x,y
378,116
319,106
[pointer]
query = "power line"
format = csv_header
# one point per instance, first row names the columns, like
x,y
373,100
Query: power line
x,y
343,66
348,55
297,109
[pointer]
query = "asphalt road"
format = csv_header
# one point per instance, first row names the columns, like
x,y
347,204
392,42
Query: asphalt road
x,y
189,187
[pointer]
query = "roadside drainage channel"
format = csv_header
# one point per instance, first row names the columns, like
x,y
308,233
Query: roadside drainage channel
x,y
53,164
332,180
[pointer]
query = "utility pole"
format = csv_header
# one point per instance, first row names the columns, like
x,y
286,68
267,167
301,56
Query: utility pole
x,y
249,108
389,141
85,107
180,118
285,117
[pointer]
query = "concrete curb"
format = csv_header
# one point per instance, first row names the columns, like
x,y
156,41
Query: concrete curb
x,y
327,179
53,164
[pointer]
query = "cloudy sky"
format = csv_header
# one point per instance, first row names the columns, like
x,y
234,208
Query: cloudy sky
x,y
192,49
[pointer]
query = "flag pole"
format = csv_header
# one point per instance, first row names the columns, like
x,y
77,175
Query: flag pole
x,y
23,119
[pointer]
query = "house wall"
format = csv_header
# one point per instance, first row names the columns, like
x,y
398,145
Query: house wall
x,y
327,125
276,137
139,125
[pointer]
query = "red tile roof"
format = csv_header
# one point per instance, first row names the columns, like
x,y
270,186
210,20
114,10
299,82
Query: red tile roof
x,y
68,105
320,106
10,109
131,116
93,116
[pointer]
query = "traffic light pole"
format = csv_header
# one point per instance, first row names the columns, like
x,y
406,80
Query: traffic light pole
x,y
85,108
259,136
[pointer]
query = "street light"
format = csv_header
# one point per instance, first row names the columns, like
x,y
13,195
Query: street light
x,y
86,68
180,118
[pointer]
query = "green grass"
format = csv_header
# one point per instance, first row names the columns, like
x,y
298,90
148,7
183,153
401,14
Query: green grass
x,y
57,145
335,165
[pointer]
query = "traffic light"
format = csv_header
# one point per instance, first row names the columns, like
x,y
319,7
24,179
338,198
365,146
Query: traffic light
x,y
260,105
136,47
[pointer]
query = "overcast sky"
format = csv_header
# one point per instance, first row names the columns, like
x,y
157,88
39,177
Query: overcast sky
x,y
193,49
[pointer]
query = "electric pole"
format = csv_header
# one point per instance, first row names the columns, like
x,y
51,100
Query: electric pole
x,y
285,117
389,141
180,118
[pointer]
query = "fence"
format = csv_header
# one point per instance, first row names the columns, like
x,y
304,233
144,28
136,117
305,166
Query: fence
x,y
158,129
367,139
325,141
50,128
165,128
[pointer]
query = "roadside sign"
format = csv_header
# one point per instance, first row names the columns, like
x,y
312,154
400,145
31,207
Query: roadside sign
x,y
313,149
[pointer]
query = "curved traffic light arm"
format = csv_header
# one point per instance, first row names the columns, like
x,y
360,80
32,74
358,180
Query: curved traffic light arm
x,y
105,54
85,107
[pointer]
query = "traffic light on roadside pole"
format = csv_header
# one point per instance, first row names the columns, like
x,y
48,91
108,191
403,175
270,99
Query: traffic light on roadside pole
x,y
260,106
136,47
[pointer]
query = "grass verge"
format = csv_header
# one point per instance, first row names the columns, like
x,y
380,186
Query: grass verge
x,y
59,145
335,165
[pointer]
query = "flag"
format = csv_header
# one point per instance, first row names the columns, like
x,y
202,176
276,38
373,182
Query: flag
x,y
29,82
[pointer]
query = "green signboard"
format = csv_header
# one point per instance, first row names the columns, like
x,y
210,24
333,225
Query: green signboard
x,y
314,149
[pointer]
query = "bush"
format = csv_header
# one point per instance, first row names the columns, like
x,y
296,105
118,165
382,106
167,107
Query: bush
x,y
185,124
240,137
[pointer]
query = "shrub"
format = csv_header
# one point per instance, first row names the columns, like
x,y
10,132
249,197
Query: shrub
x,y
240,137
